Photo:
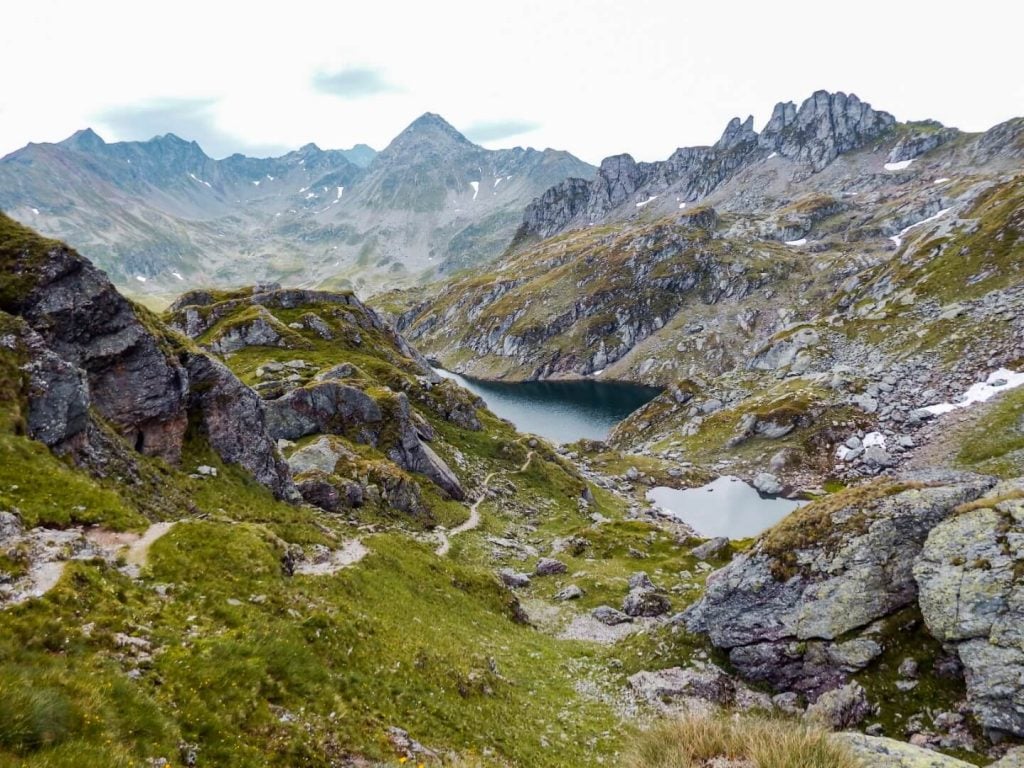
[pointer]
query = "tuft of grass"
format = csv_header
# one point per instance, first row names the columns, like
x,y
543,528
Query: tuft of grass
x,y
693,741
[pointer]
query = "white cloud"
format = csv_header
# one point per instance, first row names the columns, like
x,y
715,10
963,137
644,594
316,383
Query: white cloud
x,y
601,77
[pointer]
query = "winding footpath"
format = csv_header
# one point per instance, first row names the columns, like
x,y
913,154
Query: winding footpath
x,y
473,521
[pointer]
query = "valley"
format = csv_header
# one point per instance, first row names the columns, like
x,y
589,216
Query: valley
x,y
490,458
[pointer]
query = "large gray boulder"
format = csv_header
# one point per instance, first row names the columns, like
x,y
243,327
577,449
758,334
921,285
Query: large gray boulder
x,y
880,752
829,569
971,580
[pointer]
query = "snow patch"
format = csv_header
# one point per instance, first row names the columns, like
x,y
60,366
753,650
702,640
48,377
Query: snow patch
x,y
773,154
801,241
900,166
682,205
898,239
997,381
476,188
340,191
140,278
270,177
256,183
175,274
874,438
311,195
497,181
943,180
598,373
650,199
303,190
35,211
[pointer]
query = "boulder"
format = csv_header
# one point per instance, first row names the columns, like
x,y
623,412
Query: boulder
x,y
548,566
767,483
571,592
608,615
880,752
645,602
970,574
513,579
841,708
711,548
831,568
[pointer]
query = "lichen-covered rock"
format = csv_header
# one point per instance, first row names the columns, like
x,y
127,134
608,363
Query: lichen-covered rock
x,y
971,580
830,568
841,708
880,752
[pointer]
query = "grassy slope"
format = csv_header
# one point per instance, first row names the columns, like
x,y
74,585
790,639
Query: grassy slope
x,y
258,668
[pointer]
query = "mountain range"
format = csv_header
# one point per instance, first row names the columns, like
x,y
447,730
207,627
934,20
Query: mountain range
x,y
161,216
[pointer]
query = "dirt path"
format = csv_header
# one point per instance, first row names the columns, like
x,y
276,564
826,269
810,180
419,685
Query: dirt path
x,y
473,520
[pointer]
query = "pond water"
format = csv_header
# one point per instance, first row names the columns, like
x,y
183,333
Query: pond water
x,y
561,411
726,507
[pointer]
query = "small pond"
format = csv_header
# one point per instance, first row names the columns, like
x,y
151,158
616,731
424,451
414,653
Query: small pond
x,y
561,411
726,507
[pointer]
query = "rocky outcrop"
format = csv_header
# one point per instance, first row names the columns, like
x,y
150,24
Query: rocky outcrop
x,y
91,351
829,570
971,580
825,126
330,407
260,330
928,136
232,418
327,407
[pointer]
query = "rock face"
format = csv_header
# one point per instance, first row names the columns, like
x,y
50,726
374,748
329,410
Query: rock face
x,y
971,579
90,349
831,568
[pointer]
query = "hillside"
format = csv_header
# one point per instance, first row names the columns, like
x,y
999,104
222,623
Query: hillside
x,y
161,216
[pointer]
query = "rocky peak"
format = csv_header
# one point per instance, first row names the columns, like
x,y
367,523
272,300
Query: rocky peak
x,y
737,133
428,131
620,176
84,140
825,126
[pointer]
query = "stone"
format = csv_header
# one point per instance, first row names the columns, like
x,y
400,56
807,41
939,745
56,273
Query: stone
x,y
854,654
640,580
608,615
767,484
840,708
645,602
513,579
711,548
908,668
548,566
571,592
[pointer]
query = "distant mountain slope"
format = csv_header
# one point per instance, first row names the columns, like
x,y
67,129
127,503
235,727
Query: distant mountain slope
x,y
160,215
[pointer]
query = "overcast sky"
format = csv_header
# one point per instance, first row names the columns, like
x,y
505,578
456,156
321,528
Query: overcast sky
x,y
590,76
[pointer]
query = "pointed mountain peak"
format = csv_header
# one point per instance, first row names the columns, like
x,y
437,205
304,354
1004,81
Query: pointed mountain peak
x,y
85,140
309,148
428,129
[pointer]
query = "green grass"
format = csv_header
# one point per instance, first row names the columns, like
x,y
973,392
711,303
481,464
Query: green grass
x,y
995,444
